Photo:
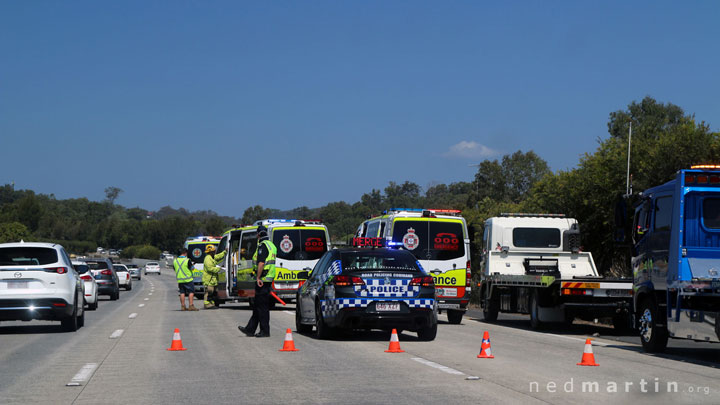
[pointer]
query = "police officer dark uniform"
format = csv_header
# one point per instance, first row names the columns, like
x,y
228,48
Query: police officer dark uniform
x,y
264,265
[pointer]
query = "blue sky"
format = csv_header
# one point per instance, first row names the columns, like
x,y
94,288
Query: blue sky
x,y
226,104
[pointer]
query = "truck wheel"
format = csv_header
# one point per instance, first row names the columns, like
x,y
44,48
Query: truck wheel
x,y
652,336
454,316
490,310
535,311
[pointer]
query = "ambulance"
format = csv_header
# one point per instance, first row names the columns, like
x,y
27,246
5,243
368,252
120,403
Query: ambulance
x,y
438,238
300,244
195,246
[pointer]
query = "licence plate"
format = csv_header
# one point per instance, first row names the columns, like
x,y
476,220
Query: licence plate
x,y
287,286
617,293
387,306
448,306
11,285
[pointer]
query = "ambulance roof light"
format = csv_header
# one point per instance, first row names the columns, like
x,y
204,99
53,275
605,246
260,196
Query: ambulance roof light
x,y
529,215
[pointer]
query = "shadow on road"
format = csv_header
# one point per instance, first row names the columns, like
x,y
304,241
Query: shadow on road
x,y
699,353
30,329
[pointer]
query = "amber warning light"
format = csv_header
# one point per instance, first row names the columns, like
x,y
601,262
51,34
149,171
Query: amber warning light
x,y
367,242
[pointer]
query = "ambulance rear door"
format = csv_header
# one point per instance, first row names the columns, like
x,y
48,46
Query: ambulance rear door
x,y
245,280
441,245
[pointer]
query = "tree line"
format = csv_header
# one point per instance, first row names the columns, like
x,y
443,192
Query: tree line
x,y
664,140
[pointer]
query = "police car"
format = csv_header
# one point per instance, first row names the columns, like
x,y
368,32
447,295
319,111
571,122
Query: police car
x,y
367,288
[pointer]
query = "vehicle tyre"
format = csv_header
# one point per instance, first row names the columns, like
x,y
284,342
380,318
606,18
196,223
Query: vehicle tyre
x,y
128,287
146,273
94,305
299,326
81,320
322,330
534,310
429,333
115,295
70,324
652,336
455,316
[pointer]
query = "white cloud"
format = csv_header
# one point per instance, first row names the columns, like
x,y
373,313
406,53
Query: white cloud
x,y
469,150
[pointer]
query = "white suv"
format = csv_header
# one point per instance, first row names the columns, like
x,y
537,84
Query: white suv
x,y
38,281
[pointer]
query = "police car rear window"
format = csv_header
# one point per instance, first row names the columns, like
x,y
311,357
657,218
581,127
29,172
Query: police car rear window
x,y
379,260
430,240
27,256
300,244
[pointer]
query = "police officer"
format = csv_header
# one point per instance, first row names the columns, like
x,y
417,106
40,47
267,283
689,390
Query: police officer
x,y
210,274
264,265
183,272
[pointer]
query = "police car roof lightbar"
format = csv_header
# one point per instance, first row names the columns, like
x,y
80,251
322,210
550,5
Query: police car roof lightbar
x,y
528,215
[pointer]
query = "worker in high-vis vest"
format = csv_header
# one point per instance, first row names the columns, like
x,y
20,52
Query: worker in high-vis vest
x,y
210,274
264,266
184,274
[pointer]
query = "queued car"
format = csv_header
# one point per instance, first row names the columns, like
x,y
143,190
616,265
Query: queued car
x,y
367,289
105,277
38,281
124,277
91,289
134,270
152,267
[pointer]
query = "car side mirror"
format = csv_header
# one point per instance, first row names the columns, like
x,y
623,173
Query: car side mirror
x,y
303,275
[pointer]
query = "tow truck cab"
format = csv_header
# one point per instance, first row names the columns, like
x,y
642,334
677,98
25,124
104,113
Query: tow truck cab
x,y
676,259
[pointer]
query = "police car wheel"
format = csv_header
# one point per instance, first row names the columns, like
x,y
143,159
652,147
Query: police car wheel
x,y
299,326
428,334
322,330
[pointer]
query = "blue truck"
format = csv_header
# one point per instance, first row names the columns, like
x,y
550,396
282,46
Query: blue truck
x,y
676,259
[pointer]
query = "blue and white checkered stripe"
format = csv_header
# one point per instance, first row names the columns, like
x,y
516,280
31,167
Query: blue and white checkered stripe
x,y
335,269
377,287
330,308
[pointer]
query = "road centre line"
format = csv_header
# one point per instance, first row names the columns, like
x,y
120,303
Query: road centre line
x,y
133,315
147,299
141,305
117,334
83,375
438,366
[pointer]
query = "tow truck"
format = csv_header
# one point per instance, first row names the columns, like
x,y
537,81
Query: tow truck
x,y
533,264
676,259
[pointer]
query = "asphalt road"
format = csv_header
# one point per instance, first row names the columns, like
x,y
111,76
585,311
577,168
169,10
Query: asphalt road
x,y
119,359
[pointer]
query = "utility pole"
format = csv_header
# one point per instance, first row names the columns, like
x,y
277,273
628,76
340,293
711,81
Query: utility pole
x,y
628,187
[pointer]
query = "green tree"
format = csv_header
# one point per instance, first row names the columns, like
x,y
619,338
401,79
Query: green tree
x,y
255,213
112,193
13,232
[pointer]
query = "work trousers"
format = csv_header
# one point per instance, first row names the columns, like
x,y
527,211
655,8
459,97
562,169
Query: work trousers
x,y
261,309
209,296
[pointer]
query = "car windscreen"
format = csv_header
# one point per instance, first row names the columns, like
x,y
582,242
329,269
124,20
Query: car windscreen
x,y
27,256
536,237
300,244
196,251
379,260
430,240
131,266
101,265
151,264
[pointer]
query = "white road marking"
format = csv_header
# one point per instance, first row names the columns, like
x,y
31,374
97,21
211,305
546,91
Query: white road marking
x,y
141,305
117,334
147,299
133,315
83,375
438,366
594,342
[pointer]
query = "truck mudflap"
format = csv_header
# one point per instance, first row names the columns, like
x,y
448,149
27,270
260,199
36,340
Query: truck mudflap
x,y
695,325
598,289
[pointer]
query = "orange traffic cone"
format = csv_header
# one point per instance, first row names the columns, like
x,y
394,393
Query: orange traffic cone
x,y
394,343
588,358
288,345
485,352
176,342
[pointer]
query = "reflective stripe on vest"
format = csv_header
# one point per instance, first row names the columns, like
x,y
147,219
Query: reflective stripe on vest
x,y
182,271
268,273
